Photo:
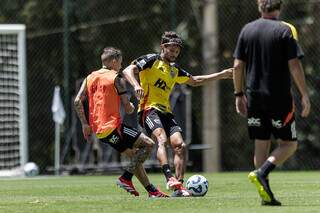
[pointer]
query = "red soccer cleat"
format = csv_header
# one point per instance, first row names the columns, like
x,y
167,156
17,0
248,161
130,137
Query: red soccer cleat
x,y
157,193
127,185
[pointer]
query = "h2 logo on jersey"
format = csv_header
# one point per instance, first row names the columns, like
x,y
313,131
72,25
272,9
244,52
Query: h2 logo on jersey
x,y
161,84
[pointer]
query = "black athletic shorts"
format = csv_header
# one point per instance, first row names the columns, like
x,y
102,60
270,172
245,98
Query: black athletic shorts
x,y
152,119
122,138
262,124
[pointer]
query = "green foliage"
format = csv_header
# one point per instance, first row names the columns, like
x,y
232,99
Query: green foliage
x,y
135,27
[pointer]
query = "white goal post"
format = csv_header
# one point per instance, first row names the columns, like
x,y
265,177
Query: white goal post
x,y
13,99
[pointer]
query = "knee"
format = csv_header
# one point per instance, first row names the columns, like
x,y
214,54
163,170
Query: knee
x,y
162,143
294,146
179,147
161,139
148,142
160,136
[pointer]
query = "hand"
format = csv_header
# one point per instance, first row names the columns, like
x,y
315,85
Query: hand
x,y
227,73
241,105
129,108
139,92
87,132
305,102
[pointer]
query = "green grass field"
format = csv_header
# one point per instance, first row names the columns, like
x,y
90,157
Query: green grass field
x,y
228,192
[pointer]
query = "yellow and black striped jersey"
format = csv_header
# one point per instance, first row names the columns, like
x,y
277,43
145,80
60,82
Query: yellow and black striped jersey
x,y
158,78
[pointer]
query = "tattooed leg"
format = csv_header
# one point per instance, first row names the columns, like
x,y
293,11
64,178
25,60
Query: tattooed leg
x,y
144,145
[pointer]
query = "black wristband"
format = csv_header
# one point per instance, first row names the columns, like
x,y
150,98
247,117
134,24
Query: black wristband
x,y
121,93
238,94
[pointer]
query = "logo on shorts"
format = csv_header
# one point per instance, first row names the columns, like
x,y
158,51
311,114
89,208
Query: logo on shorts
x,y
254,121
149,123
157,121
114,139
277,124
174,121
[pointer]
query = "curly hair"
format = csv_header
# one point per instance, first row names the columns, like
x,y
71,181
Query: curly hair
x,y
267,6
170,37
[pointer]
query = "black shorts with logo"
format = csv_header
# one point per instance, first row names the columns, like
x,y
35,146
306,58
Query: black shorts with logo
x,y
122,138
280,124
152,119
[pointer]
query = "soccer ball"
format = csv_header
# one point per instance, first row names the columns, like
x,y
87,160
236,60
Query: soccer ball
x,y
31,169
198,185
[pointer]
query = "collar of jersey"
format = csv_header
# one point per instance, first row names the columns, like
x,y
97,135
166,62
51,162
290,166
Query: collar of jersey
x,y
270,17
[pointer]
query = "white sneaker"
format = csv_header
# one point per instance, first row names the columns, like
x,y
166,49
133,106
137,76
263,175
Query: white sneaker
x,y
173,183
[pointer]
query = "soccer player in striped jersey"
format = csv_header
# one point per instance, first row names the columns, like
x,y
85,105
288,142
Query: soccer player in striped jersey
x,y
105,89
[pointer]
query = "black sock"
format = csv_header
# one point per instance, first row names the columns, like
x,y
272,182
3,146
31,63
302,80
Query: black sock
x,y
127,175
166,171
151,188
267,181
266,168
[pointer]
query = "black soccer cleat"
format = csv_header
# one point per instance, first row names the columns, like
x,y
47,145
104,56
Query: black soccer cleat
x,y
273,202
262,185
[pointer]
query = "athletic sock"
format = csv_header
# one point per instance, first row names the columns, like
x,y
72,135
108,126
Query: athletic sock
x,y
151,188
266,168
166,171
127,175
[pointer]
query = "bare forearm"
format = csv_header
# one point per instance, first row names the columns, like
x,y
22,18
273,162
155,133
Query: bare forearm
x,y
129,74
78,105
238,76
298,76
80,111
237,81
128,106
203,79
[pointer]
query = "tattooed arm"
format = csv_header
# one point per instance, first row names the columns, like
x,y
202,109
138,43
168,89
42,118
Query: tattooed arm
x,y
120,84
78,105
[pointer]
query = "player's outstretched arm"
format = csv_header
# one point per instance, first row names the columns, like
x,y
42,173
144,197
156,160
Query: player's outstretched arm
x,y
203,79
129,74
120,84
297,74
78,105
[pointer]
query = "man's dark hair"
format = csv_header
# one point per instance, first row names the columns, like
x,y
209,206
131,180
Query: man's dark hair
x,y
268,6
110,53
171,37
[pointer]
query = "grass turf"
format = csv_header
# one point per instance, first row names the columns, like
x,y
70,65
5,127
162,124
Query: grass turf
x,y
228,192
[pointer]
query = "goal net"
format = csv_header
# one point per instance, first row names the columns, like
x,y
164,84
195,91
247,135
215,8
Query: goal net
x,y
13,99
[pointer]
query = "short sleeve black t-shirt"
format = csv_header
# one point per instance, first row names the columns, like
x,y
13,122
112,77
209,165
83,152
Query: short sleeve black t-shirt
x,y
266,45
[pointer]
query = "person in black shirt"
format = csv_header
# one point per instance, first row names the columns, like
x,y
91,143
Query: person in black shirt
x,y
268,51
